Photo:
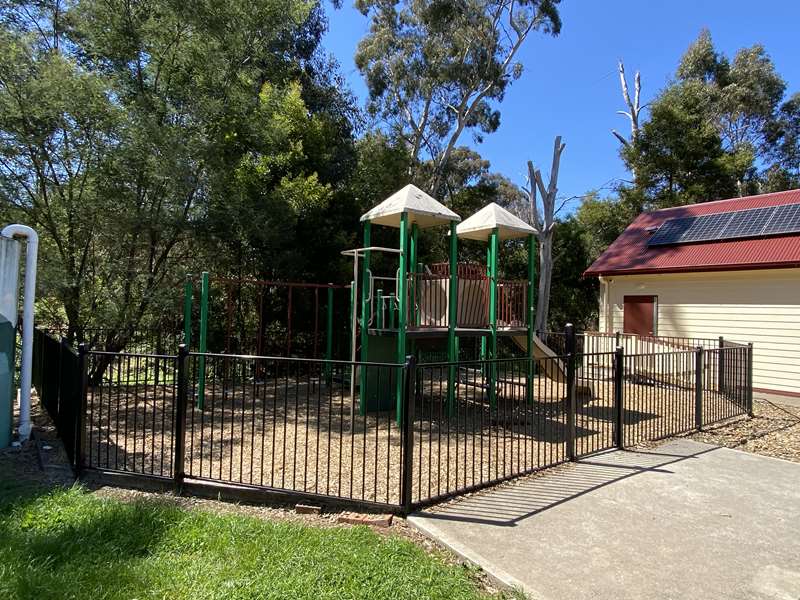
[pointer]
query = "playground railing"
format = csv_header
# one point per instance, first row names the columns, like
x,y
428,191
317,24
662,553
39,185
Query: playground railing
x,y
382,436
512,303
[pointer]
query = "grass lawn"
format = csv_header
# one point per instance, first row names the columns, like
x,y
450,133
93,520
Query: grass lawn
x,y
72,544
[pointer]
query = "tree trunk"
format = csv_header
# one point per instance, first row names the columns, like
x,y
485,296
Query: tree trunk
x,y
545,278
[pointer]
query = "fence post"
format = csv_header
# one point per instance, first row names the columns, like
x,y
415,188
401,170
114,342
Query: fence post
x,y
569,335
698,388
750,379
79,455
406,486
180,419
619,397
721,366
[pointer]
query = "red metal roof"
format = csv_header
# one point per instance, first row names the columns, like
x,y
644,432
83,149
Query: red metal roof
x,y
630,254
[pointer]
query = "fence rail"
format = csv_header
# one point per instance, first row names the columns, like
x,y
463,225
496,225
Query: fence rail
x,y
415,434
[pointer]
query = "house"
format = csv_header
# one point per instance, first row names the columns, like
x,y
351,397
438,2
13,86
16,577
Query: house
x,y
727,268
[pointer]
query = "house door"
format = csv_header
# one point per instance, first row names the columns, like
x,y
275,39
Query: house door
x,y
639,315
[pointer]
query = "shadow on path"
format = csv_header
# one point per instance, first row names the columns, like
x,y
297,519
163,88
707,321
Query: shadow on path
x,y
507,505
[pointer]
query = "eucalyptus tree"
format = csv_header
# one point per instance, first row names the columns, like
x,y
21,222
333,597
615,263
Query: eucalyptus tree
x,y
437,69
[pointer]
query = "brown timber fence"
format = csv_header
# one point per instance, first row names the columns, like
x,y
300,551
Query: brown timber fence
x,y
290,429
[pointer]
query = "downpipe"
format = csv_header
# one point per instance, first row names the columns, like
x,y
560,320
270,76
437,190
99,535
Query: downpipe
x,y
29,291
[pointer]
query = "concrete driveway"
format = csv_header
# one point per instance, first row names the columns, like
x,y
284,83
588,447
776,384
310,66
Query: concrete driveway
x,y
685,520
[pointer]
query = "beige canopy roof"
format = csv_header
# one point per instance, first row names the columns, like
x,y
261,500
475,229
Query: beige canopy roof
x,y
420,207
480,225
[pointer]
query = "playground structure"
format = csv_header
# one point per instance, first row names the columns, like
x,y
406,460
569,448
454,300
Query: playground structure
x,y
390,315
444,302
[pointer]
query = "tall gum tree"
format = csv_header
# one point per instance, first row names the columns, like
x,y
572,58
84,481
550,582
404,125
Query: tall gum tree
x,y
437,69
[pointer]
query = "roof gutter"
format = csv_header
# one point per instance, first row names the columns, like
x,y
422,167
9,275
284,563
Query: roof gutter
x,y
694,269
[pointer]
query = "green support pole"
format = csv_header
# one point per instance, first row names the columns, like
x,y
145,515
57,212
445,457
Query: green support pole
x,y
493,251
329,336
188,292
201,363
412,266
401,308
362,396
452,318
531,310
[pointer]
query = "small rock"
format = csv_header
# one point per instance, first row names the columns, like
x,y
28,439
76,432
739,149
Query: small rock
x,y
307,509
352,518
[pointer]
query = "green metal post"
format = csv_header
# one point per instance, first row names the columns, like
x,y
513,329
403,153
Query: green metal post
x,y
414,316
201,363
188,292
531,310
362,402
329,335
493,251
402,307
484,339
452,318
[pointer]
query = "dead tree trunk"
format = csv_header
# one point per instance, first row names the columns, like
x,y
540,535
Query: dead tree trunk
x,y
634,107
543,221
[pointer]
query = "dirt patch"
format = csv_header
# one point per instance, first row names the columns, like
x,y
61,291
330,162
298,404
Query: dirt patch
x,y
773,431
38,464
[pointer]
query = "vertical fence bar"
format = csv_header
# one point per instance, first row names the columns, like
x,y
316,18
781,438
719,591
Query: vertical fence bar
x,y
721,366
180,419
79,457
698,388
749,382
619,410
569,335
409,378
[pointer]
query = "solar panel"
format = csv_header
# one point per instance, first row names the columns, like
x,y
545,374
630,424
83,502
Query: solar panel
x,y
671,231
748,223
756,222
707,227
786,219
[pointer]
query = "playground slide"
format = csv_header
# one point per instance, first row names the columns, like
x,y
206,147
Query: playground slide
x,y
552,369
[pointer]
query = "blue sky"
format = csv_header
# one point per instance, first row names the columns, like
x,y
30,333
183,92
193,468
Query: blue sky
x,y
570,85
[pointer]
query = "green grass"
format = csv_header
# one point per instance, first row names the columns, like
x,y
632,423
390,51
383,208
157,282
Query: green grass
x,y
72,544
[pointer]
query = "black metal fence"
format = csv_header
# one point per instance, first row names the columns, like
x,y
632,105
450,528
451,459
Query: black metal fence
x,y
55,373
415,434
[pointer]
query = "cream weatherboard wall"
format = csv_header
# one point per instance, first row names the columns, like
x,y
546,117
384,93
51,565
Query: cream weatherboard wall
x,y
760,306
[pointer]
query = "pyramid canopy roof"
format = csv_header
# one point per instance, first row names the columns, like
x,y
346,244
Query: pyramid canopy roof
x,y
480,225
421,208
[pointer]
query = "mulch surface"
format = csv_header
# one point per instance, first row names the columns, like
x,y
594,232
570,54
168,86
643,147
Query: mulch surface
x,y
773,431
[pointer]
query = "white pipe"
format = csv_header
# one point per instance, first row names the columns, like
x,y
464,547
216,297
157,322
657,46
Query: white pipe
x,y
29,298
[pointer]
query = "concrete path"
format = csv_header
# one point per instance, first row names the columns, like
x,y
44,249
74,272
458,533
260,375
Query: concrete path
x,y
685,520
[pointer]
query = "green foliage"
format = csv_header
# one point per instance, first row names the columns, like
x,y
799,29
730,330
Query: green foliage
x,y
678,156
713,131
437,69
147,139
601,220
71,544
